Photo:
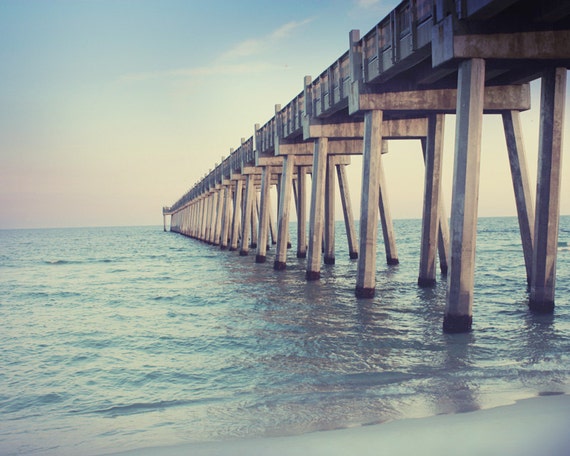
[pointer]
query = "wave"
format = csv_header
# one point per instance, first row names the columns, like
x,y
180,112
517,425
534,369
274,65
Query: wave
x,y
56,262
145,407
18,404
137,407
87,261
167,298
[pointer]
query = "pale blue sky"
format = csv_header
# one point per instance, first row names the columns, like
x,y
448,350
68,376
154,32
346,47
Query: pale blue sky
x,y
110,109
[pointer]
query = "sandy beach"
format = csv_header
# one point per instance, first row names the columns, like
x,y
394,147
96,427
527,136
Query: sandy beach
x,y
535,426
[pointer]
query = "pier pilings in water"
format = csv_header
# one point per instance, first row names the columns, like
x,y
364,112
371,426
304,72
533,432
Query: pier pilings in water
x,y
543,278
399,81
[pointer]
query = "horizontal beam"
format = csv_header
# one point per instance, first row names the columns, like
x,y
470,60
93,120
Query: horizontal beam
x,y
546,45
350,128
269,161
534,45
391,129
497,99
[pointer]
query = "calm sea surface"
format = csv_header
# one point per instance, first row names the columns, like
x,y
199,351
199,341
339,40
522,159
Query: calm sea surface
x,y
119,338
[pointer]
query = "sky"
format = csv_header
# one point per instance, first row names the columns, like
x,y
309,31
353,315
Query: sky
x,y
111,109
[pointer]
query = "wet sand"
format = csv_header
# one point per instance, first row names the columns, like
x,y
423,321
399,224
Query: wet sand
x,y
537,426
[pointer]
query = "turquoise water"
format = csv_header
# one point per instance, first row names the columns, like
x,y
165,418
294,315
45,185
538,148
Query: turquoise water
x,y
121,338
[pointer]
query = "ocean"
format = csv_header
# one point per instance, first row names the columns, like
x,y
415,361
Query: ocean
x,y
120,338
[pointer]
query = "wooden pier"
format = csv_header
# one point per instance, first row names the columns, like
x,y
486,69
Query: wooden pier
x,y
427,58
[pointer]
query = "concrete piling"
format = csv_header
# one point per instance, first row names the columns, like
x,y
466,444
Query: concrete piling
x,y
547,216
471,81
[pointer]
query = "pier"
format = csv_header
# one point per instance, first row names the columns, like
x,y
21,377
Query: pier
x,y
426,59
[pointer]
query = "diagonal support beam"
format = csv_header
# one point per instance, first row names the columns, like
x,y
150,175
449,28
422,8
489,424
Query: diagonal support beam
x,y
521,185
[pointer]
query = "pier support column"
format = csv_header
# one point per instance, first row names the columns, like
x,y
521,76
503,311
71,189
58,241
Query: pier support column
x,y
247,210
371,163
347,211
443,231
521,185
262,237
196,218
211,217
272,233
459,309
553,96
224,235
214,214
184,213
283,219
216,240
386,220
195,207
211,214
317,209
173,222
199,216
203,216
234,237
431,211
182,221
207,219
301,212
187,220
329,228
255,221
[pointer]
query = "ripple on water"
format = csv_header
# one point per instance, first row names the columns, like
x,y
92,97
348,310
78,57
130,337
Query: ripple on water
x,y
136,332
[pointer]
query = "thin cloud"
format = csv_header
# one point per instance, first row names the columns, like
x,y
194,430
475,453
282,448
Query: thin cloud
x,y
224,64
243,49
211,70
257,45
367,3
285,30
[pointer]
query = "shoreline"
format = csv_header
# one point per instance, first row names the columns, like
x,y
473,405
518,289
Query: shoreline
x,y
533,426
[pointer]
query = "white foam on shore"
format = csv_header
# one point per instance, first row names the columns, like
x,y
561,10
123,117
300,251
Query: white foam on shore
x,y
538,426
